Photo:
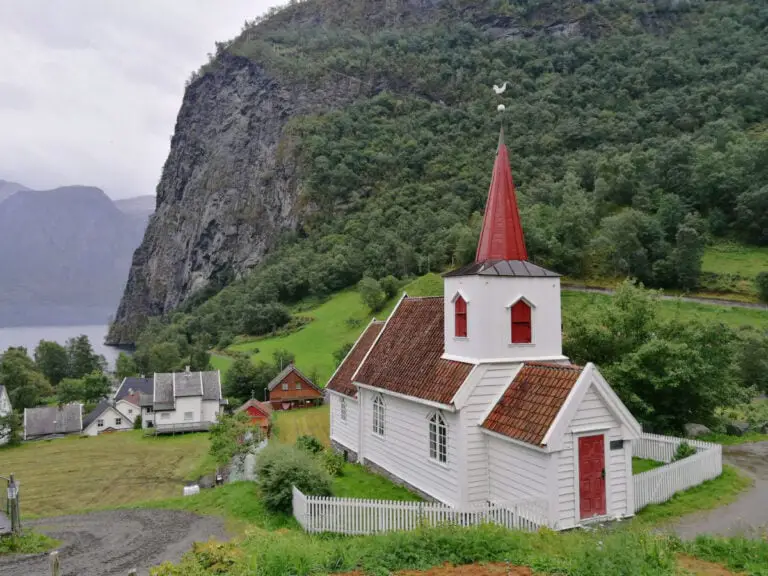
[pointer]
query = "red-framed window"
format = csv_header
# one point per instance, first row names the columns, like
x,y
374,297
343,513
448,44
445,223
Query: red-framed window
x,y
521,323
460,310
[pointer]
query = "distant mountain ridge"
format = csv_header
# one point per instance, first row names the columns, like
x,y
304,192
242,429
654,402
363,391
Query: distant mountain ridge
x,y
64,253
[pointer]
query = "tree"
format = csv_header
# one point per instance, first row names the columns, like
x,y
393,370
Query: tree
x,y
137,422
282,358
342,352
96,387
125,366
372,294
761,282
688,252
245,380
52,360
25,384
70,390
752,216
280,468
390,285
233,436
164,357
12,428
82,359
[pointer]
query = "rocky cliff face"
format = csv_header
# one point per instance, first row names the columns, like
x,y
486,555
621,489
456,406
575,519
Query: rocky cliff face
x,y
229,187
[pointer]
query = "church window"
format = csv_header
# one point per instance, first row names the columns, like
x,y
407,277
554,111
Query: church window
x,y
344,409
378,415
438,438
521,323
460,308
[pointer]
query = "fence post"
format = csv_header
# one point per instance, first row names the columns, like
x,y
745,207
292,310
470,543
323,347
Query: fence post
x,y
55,567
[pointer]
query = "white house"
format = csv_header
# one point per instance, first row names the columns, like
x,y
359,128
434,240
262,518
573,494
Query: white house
x,y
5,410
468,398
106,417
183,401
127,398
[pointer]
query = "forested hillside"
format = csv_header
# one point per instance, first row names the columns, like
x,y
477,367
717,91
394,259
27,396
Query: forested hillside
x,y
637,131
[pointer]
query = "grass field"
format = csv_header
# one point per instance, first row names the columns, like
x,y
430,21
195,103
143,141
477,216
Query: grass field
x,y
640,465
736,259
74,474
315,422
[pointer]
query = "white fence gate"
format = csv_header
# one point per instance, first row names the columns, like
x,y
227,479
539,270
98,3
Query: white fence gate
x,y
356,516
659,485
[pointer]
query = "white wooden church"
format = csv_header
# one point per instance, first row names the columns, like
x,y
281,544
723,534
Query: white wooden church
x,y
468,399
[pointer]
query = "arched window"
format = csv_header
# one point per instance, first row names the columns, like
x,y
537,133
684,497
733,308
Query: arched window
x,y
521,323
438,438
378,415
460,310
344,409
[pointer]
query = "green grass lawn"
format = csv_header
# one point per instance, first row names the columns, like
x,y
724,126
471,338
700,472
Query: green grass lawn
x,y
640,465
714,493
28,543
728,440
74,474
736,259
357,482
291,424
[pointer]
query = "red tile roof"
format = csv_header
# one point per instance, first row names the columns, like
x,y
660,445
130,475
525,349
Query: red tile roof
x,y
341,381
406,359
132,398
530,404
264,407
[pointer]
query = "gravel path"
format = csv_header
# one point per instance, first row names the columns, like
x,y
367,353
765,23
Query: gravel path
x,y
747,516
696,299
112,543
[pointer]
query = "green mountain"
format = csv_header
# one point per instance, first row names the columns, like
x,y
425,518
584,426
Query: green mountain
x,y
337,138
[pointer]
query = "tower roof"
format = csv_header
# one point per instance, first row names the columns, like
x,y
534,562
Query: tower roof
x,y
502,235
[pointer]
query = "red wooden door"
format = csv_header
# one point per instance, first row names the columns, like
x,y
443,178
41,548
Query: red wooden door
x,y
592,476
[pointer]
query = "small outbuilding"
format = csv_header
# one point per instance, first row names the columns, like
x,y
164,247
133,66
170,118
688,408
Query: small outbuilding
x,y
292,389
53,421
260,414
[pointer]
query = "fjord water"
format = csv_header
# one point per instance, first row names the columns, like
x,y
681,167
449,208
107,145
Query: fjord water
x,y
30,336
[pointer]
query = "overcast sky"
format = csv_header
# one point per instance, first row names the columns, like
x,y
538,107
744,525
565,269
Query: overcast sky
x,y
90,89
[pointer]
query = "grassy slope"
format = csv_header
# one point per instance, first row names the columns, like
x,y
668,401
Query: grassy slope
x,y
310,421
730,258
75,474
342,318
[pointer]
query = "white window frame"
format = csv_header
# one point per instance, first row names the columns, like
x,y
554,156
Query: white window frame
x,y
189,416
438,438
298,385
99,423
343,409
285,386
149,409
118,421
379,415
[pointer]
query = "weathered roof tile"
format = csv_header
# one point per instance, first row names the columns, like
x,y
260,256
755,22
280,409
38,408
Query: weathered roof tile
x,y
341,381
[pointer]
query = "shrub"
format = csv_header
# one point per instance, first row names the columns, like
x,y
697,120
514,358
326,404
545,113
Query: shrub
x,y
281,467
390,285
761,282
333,462
372,294
683,451
309,444
137,423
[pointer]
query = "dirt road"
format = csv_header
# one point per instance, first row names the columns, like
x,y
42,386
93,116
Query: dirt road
x,y
111,543
747,516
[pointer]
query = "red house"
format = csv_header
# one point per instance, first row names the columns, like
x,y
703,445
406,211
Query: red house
x,y
260,414
292,389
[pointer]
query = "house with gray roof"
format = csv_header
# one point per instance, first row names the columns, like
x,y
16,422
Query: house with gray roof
x,y
53,421
106,417
5,409
182,401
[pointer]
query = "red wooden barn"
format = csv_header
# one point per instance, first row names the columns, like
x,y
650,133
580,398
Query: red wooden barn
x,y
260,414
292,389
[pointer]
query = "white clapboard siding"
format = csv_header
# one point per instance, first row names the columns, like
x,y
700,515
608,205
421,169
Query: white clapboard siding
x,y
659,485
357,516
345,432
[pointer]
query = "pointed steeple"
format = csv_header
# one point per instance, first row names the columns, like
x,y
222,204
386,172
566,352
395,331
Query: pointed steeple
x,y
502,235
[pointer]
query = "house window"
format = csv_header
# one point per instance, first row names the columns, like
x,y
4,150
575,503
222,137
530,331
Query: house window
x,y
188,416
149,410
438,438
130,410
165,416
118,421
298,385
344,409
285,385
460,310
521,323
100,423
378,415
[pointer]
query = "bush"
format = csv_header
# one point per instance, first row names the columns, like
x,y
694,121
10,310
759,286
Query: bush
x,y
333,462
372,294
761,282
137,423
390,285
309,444
281,467
683,451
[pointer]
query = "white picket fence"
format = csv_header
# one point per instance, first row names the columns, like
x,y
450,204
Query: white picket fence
x,y
356,516
659,485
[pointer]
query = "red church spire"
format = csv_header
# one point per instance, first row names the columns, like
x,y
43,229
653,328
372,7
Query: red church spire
x,y
502,235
